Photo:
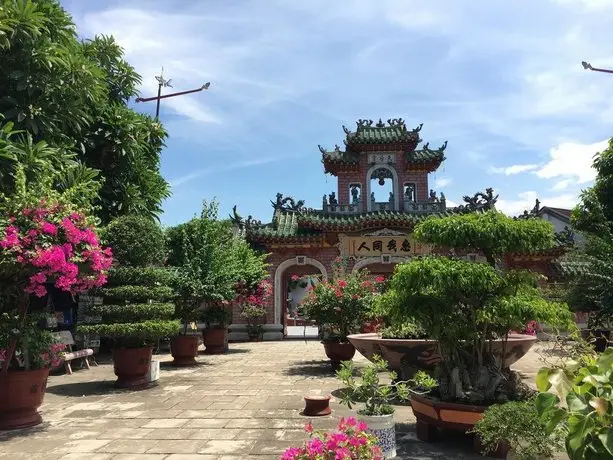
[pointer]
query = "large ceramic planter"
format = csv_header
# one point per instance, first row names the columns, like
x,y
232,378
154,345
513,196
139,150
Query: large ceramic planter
x,y
184,349
132,367
432,414
384,428
215,341
337,352
21,394
407,356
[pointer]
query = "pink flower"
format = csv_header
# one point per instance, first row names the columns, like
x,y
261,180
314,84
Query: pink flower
x,y
48,228
362,426
379,279
342,283
308,427
295,278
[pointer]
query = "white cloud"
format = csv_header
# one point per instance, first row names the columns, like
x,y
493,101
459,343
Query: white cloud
x,y
525,201
515,169
442,182
562,185
572,160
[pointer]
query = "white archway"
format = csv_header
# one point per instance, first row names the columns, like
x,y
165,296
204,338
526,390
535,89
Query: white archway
x,y
392,170
377,260
278,288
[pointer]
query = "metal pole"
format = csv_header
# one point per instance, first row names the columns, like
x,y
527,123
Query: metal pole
x,y
157,107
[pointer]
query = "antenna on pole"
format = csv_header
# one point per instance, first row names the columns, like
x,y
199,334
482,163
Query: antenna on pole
x,y
163,83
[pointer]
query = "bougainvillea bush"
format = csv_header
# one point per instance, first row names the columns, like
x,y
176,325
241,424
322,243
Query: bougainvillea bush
x,y
49,244
349,441
340,306
42,242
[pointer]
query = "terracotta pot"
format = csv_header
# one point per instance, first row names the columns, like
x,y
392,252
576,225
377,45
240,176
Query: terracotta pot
x,y
384,428
21,393
184,349
432,414
337,352
316,405
407,356
600,338
132,367
215,341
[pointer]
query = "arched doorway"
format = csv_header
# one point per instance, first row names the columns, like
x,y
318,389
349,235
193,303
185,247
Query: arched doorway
x,y
309,271
378,176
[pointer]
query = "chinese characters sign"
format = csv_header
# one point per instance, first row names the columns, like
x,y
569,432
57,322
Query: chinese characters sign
x,y
377,245
381,158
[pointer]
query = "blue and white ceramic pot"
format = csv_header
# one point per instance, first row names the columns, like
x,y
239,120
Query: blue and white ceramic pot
x,y
384,428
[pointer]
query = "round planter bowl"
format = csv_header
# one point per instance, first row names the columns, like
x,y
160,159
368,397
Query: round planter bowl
x,y
384,428
184,349
407,356
337,352
215,341
21,394
132,367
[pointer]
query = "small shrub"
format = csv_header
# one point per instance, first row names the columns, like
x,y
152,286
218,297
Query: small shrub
x,y
406,330
133,335
141,276
137,241
125,294
133,312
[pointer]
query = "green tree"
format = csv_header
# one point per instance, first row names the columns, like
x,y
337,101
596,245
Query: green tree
x,y
491,233
73,95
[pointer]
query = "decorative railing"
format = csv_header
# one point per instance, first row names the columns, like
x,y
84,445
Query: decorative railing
x,y
424,206
355,208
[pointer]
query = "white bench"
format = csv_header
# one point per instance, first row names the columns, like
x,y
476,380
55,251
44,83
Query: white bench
x,y
66,338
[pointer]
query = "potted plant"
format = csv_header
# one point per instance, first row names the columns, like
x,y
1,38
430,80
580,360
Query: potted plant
x,y
42,242
253,314
217,318
516,430
339,307
467,306
137,308
378,411
577,397
188,295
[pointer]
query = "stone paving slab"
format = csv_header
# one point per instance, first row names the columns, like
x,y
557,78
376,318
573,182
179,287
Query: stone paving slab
x,y
242,405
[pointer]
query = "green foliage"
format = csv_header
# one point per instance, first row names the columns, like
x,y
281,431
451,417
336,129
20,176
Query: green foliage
x,y
133,312
519,425
340,306
216,316
133,335
142,276
376,396
491,233
464,305
129,293
136,241
405,330
587,415
73,95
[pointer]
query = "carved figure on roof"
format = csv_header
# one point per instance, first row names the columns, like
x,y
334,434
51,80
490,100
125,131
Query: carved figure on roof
x,y
537,207
418,129
347,131
362,123
287,204
443,197
443,147
325,201
391,199
337,148
532,214
481,201
380,124
433,196
321,149
426,146
332,198
396,122
241,223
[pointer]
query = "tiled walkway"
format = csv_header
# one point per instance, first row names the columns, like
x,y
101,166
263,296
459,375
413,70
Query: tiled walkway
x,y
242,405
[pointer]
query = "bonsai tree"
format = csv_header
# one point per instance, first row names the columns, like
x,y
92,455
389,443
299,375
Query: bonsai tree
x,y
465,305
253,309
137,309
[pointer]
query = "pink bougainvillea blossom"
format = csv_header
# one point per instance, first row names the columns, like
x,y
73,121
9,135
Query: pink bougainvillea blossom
x,y
48,228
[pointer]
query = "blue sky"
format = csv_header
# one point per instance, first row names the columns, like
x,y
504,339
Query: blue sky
x,y
501,81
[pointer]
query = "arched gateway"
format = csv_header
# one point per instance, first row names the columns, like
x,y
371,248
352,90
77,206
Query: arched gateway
x,y
371,233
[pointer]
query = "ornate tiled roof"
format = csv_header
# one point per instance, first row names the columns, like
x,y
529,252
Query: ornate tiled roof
x,y
369,137
395,132
284,227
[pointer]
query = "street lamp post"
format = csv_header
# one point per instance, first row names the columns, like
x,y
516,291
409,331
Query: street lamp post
x,y
162,82
588,66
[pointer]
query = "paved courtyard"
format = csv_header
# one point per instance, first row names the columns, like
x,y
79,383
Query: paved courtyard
x,y
242,405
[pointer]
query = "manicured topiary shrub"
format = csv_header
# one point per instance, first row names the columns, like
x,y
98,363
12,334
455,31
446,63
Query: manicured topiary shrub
x,y
137,241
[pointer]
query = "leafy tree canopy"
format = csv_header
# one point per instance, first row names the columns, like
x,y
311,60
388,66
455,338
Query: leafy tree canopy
x,y
73,95
137,241
492,233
